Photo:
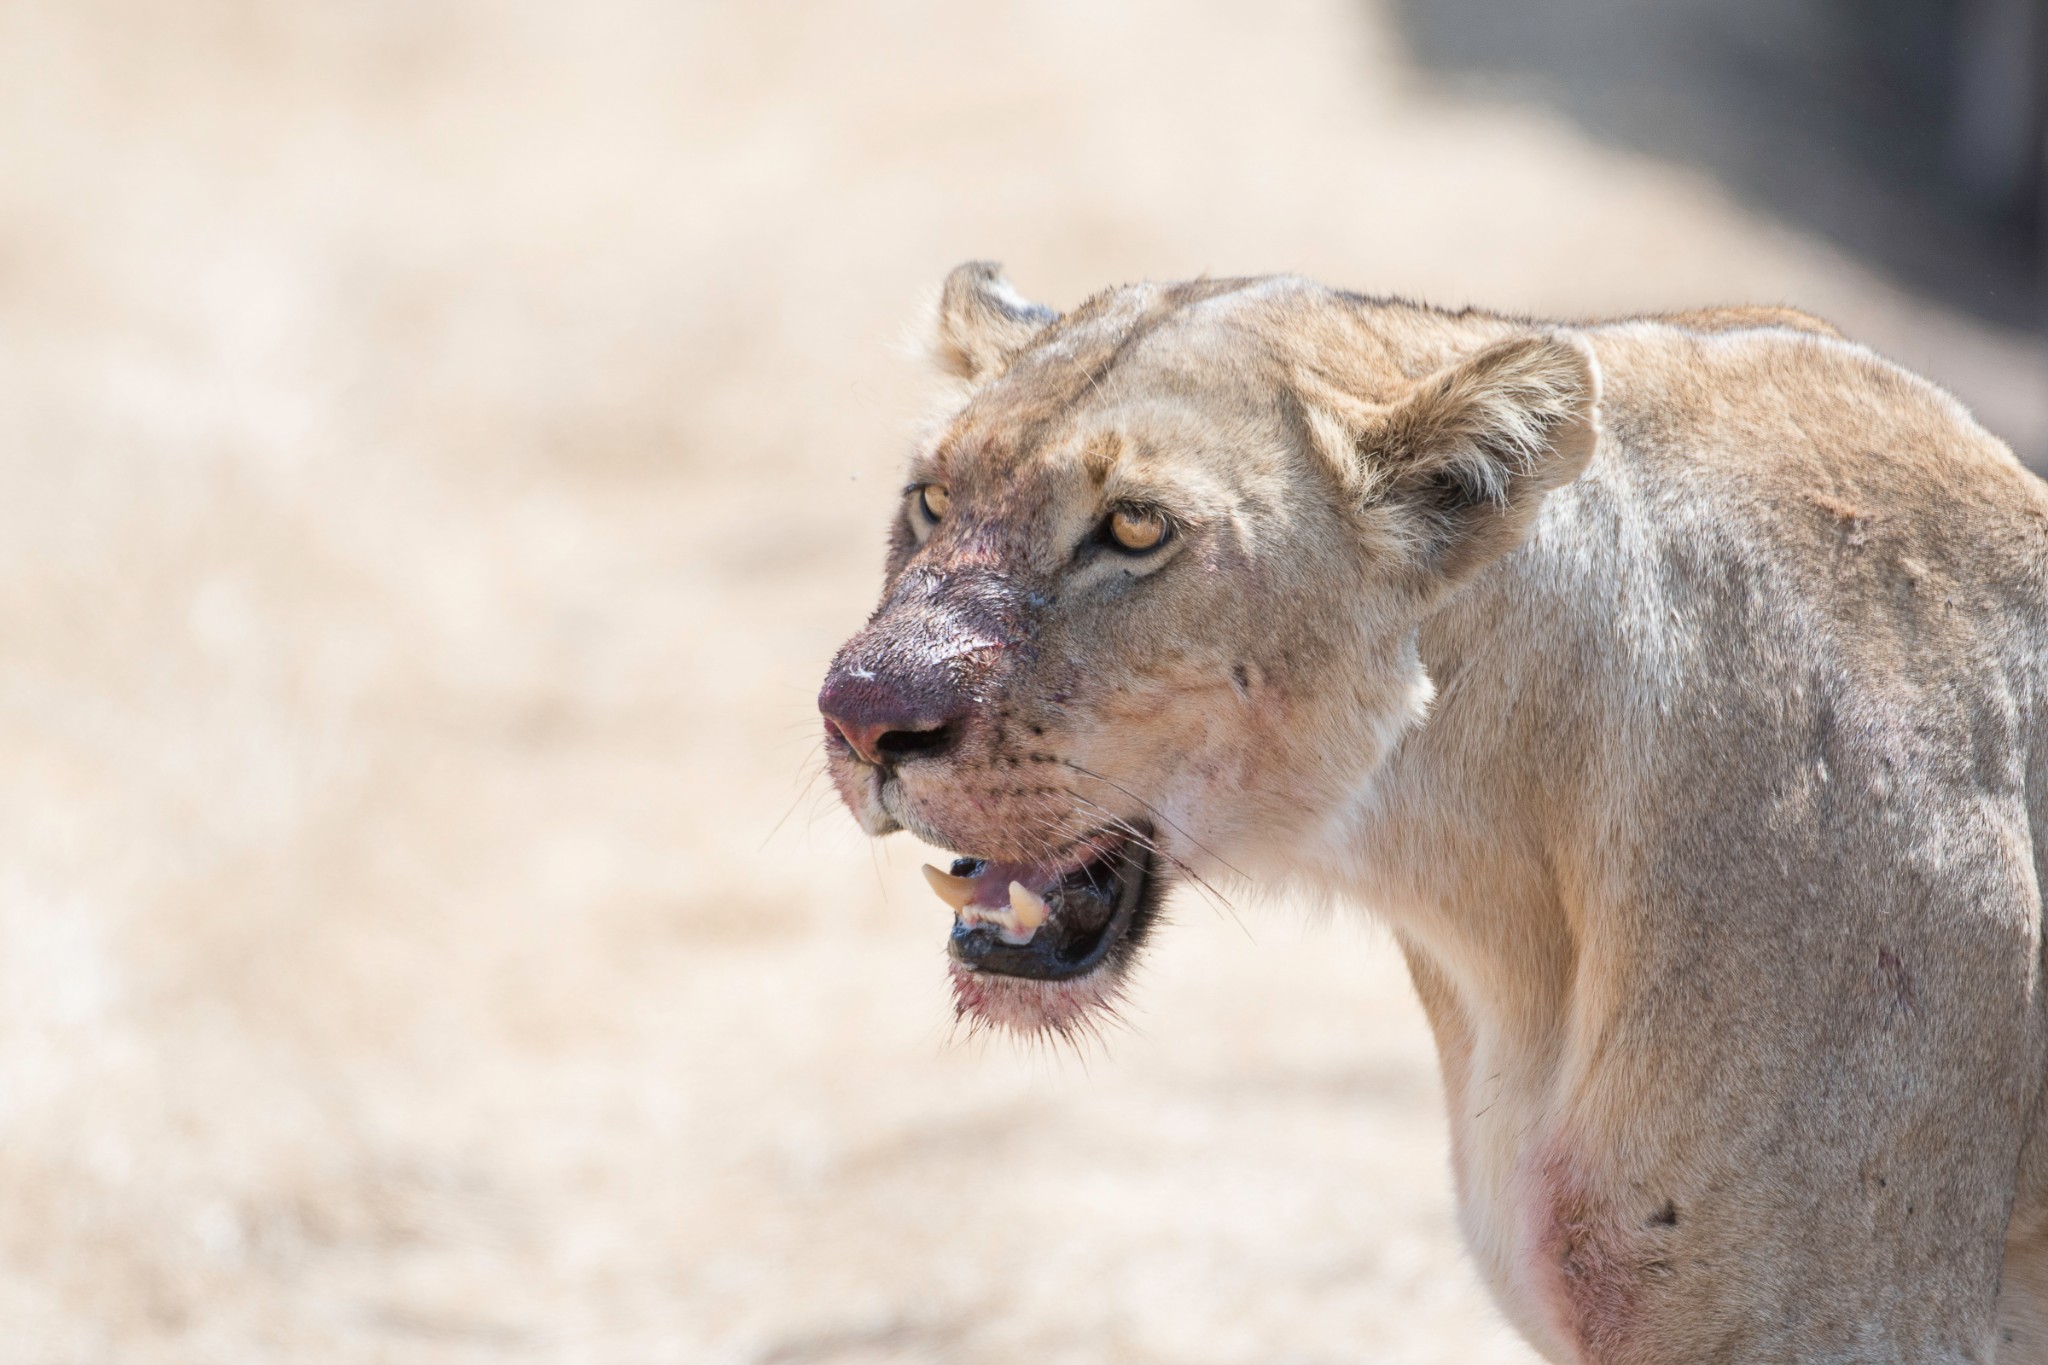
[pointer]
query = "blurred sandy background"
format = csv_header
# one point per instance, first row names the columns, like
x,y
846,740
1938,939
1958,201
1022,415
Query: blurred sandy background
x,y
442,444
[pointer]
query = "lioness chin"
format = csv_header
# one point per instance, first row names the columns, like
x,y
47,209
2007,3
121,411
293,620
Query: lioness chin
x,y
1675,688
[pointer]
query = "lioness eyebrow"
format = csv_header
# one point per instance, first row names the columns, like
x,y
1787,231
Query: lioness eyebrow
x,y
1099,457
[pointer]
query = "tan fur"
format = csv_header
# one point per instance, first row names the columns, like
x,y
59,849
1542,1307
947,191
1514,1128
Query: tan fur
x,y
1673,687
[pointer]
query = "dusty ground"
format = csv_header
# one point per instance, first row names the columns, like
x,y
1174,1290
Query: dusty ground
x,y
442,444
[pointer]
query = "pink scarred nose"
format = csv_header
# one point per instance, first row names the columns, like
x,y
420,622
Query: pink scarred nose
x,y
910,684
887,720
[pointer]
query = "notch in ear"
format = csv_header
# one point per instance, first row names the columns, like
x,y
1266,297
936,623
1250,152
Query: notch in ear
x,y
1456,468
983,321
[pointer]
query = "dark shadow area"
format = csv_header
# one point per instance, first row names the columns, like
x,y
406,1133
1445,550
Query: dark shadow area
x,y
1907,131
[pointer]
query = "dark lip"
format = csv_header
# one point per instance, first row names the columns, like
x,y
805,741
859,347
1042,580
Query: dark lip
x,y
1073,943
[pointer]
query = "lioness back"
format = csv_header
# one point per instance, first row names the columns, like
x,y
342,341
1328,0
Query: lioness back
x,y
1864,499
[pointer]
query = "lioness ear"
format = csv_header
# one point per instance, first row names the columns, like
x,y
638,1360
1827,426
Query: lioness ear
x,y
983,321
1458,466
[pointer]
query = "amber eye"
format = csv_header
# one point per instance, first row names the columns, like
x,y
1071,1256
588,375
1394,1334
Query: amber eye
x,y
1136,529
932,500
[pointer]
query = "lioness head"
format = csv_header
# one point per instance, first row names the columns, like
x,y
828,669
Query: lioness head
x,y
1152,595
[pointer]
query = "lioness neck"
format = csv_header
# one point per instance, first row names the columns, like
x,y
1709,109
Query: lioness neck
x,y
1482,847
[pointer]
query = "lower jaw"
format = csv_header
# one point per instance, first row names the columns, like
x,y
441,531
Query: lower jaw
x,y
1058,997
1035,1008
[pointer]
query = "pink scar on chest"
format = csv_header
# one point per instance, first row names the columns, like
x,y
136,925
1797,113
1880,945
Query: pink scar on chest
x,y
1595,1258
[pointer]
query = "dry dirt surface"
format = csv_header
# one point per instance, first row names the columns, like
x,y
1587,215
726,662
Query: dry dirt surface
x,y
443,443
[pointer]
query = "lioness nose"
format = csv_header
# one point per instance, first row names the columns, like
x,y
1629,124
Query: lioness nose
x,y
888,725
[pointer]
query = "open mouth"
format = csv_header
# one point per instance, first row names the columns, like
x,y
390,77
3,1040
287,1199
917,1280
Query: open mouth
x,y
1050,921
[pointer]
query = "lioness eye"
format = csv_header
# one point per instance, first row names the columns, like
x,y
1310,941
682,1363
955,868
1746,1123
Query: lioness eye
x,y
932,500
1136,530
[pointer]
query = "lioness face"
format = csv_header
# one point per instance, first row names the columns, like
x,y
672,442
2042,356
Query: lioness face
x,y
1148,615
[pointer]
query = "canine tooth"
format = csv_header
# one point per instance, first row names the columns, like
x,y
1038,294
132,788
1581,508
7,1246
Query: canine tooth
x,y
1029,908
954,891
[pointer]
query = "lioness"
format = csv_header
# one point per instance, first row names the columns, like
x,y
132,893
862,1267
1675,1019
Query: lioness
x,y
1676,689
